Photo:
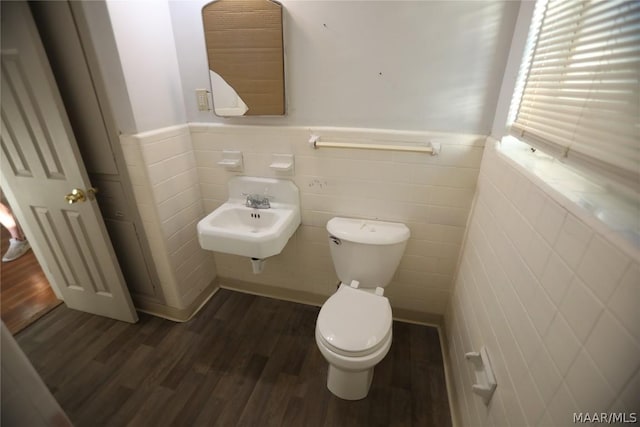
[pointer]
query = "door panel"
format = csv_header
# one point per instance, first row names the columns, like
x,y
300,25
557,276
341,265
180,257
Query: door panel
x,y
133,265
23,123
98,141
66,57
40,165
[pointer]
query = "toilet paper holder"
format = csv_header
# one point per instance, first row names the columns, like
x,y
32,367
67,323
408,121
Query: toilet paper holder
x,y
486,383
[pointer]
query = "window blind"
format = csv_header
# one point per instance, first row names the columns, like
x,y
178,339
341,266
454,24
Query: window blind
x,y
580,86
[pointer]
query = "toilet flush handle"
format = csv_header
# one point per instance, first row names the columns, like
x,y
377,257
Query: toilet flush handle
x,y
335,240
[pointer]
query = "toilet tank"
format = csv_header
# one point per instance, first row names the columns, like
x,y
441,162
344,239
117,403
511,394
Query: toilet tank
x,y
365,250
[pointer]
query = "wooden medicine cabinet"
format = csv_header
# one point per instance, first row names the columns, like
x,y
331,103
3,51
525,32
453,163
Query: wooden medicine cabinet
x,y
245,56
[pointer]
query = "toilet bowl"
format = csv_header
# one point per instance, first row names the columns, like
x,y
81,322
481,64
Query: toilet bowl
x,y
354,326
353,333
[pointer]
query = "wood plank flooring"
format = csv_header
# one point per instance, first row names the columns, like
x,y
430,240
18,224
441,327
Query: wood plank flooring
x,y
25,293
243,360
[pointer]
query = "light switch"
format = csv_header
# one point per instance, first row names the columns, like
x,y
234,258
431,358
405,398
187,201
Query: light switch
x,y
203,99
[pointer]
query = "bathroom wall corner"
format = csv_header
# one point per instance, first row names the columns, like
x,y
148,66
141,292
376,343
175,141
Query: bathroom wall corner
x,y
431,194
162,168
548,294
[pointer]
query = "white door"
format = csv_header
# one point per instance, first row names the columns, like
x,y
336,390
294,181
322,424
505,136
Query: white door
x,y
41,165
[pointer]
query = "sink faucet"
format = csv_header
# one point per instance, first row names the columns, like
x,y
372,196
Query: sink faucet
x,y
257,201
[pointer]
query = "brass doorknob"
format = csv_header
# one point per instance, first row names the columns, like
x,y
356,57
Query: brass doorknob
x,y
77,195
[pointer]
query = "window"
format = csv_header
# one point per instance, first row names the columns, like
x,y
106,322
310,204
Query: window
x,y
578,92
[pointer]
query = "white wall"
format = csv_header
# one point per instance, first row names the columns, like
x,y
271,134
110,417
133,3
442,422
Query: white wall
x,y
431,194
103,40
553,296
26,400
147,50
430,65
177,181
162,167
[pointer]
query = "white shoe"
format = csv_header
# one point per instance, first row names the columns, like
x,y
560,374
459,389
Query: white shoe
x,y
17,248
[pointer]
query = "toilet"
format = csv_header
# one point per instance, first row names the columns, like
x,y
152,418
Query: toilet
x,y
353,329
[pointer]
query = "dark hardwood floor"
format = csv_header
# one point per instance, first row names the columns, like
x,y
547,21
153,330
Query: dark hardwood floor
x,y
25,294
243,360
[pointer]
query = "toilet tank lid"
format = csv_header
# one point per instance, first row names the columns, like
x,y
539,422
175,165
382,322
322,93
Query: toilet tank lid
x,y
367,231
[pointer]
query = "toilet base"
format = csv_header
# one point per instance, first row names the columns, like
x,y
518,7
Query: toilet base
x,y
349,385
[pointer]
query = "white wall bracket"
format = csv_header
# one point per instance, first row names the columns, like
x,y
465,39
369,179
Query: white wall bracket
x,y
485,384
232,160
282,162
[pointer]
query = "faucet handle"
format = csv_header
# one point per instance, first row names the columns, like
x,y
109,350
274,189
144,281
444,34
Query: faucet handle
x,y
266,194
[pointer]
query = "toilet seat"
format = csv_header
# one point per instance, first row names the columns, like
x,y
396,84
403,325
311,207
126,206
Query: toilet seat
x,y
354,322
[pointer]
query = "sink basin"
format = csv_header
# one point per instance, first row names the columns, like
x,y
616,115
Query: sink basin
x,y
236,229
246,220
239,230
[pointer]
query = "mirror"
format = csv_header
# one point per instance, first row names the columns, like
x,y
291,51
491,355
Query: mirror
x,y
245,56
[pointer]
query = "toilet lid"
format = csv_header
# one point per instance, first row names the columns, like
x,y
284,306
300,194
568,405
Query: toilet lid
x,y
354,322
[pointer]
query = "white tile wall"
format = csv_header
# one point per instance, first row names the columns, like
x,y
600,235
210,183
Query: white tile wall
x,y
554,300
432,195
166,187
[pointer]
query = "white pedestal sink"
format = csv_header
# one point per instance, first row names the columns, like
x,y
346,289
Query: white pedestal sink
x,y
236,229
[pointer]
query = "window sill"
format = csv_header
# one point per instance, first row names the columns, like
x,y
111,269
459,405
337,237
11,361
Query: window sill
x,y
596,204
